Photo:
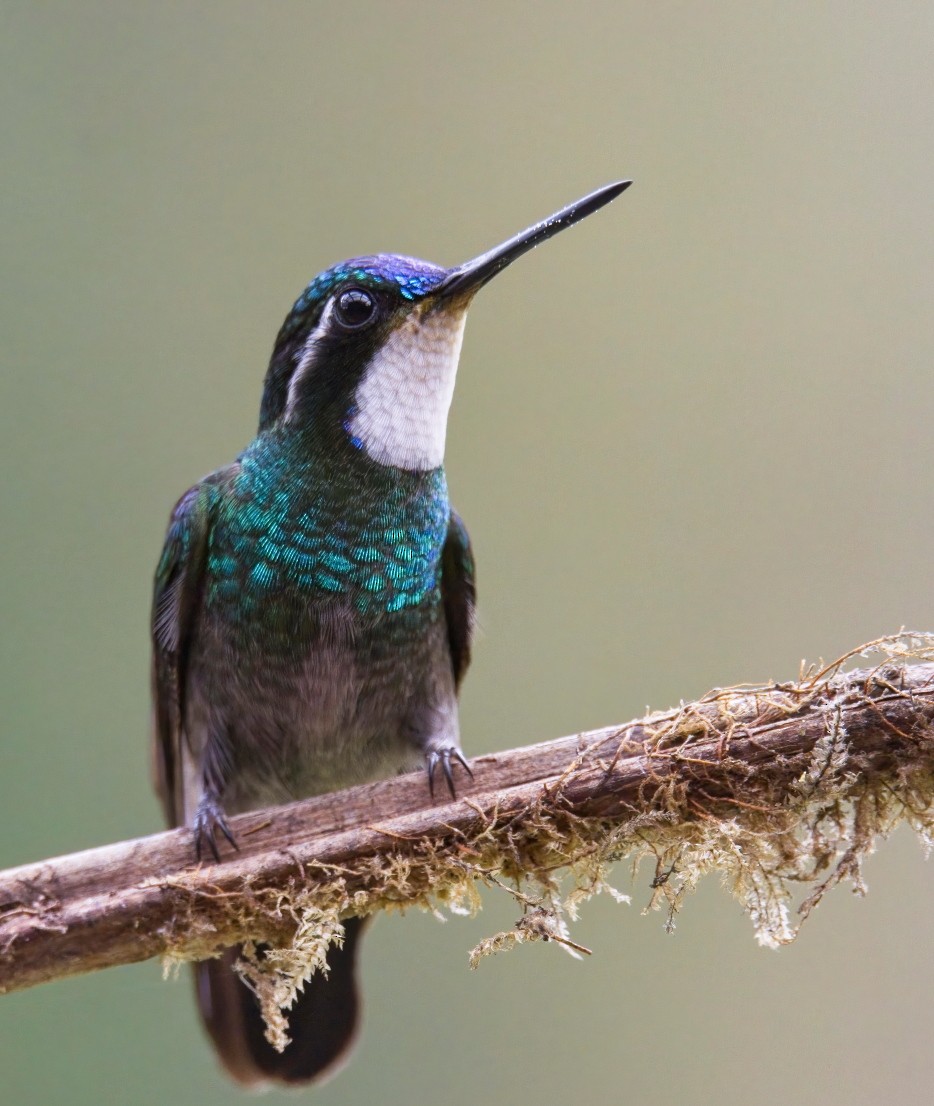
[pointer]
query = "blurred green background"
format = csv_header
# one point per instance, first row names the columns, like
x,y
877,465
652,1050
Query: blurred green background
x,y
690,437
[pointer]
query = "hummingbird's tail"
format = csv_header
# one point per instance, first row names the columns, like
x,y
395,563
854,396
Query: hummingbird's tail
x,y
322,1022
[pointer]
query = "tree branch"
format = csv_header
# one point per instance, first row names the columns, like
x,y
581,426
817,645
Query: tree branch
x,y
770,784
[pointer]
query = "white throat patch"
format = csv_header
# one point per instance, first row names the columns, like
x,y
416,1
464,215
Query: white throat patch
x,y
402,402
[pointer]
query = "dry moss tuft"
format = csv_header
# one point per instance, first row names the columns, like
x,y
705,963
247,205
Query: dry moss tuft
x,y
773,787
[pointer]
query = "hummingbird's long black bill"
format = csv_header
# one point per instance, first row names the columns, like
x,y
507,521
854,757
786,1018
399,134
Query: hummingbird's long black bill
x,y
472,275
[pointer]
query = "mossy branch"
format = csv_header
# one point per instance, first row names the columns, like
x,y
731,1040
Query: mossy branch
x,y
769,785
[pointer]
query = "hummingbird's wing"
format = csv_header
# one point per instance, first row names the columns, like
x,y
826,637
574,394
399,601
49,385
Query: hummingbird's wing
x,y
175,600
459,590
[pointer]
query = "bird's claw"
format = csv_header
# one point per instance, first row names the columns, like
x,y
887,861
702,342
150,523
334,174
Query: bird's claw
x,y
434,757
208,822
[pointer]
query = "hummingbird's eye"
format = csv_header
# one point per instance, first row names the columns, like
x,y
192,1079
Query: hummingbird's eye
x,y
355,308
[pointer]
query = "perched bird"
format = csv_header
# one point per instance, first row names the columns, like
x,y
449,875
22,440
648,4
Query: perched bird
x,y
314,600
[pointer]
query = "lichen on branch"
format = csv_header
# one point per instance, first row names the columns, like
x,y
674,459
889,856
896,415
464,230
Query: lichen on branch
x,y
773,786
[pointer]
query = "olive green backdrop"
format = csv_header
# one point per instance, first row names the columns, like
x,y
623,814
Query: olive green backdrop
x,y
691,438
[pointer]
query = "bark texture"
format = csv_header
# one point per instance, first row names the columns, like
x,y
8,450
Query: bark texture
x,y
773,785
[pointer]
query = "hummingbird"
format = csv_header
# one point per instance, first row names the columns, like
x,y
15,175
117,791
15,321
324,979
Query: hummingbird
x,y
314,602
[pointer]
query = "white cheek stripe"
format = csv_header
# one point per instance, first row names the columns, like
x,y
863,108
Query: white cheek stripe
x,y
307,359
402,402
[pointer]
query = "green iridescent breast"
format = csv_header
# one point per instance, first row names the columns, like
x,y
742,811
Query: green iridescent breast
x,y
290,530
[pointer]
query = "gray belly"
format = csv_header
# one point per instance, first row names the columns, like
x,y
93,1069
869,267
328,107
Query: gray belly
x,y
353,702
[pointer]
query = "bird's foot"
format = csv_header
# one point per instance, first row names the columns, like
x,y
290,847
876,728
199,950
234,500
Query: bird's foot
x,y
444,756
209,821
